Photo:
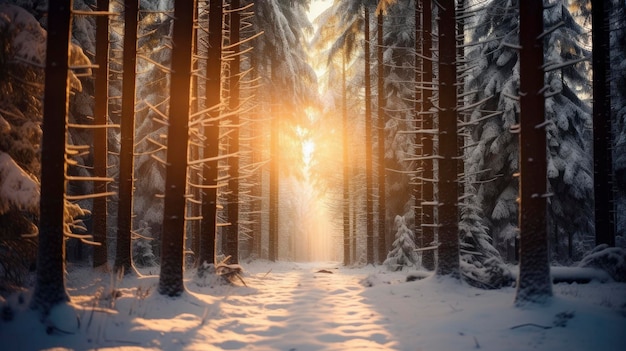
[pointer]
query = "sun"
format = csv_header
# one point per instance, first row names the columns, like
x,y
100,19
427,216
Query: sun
x,y
317,7
308,147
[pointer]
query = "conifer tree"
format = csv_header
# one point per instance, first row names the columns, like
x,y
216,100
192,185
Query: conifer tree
x,y
533,283
171,276
232,237
100,153
448,241
50,281
403,252
127,140
211,134
618,111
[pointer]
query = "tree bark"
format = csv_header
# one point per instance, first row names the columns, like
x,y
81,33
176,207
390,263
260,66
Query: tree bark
x,y
428,211
127,140
171,277
448,252
232,239
100,147
346,165
602,135
369,202
533,283
212,134
274,165
382,208
417,190
50,280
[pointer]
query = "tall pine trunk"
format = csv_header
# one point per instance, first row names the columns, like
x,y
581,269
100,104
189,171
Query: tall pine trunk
x,y
127,140
346,165
232,239
427,164
448,252
369,201
100,147
382,208
533,283
50,280
417,190
195,173
274,166
171,277
602,136
212,134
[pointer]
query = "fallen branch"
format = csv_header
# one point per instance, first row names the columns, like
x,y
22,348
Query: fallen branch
x,y
531,325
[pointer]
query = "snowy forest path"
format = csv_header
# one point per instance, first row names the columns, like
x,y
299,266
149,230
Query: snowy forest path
x,y
311,306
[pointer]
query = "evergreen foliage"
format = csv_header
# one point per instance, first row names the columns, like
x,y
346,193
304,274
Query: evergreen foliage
x,y
403,252
495,83
481,264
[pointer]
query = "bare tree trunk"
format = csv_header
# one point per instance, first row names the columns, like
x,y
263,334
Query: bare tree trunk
x,y
382,208
533,283
127,131
448,252
346,165
428,211
417,190
273,213
274,170
195,173
100,147
369,202
171,277
602,136
232,238
50,281
212,134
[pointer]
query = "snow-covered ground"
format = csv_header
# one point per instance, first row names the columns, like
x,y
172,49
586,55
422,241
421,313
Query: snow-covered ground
x,y
292,306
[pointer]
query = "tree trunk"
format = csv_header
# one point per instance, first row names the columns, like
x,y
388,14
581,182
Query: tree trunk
x,y
232,238
602,136
448,252
273,214
346,165
195,173
417,190
127,140
382,208
212,134
533,283
428,211
369,202
171,277
100,147
50,281
273,201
